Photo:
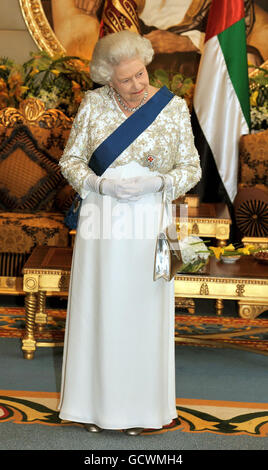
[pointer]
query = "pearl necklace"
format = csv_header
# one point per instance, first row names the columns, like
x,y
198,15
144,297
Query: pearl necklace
x,y
127,108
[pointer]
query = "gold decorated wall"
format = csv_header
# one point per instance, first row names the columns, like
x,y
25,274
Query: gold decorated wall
x,y
26,25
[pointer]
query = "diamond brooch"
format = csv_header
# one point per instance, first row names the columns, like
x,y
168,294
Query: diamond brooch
x,y
150,161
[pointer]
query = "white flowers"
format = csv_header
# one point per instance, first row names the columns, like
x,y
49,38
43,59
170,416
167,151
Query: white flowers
x,y
193,249
258,117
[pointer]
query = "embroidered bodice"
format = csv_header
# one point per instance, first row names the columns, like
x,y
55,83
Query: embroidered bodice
x,y
166,146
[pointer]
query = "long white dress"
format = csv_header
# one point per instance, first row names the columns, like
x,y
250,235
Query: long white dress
x,y
118,364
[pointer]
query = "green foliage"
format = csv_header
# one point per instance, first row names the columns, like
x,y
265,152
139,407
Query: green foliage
x,y
11,83
176,82
59,81
258,85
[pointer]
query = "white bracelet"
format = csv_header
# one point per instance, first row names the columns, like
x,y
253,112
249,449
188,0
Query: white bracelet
x,y
100,186
163,183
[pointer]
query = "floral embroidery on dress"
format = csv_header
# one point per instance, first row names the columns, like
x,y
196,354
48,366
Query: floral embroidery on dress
x,y
166,146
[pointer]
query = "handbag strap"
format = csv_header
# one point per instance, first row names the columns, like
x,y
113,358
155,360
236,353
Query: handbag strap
x,y
170,228
164,206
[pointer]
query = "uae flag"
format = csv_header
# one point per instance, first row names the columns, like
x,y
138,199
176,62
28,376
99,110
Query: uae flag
x,y
221,111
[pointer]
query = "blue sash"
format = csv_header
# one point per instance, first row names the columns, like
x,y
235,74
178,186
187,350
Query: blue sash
x,y
128,131
119,140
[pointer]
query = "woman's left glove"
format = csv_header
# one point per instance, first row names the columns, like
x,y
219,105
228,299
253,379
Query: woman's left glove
x,y
150,184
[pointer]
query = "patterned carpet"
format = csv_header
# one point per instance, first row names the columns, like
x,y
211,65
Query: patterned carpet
x,y
189,329
194,416
223,331
12,323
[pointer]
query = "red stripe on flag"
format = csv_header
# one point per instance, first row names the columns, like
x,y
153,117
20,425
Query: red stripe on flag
x,y
222,14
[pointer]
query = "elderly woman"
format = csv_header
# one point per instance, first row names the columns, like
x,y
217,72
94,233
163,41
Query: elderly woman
x,y
129,140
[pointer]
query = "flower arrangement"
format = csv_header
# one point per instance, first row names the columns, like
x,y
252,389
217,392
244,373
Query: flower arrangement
x,y
58,81
258,87
176,82
12,88
195,254
229,250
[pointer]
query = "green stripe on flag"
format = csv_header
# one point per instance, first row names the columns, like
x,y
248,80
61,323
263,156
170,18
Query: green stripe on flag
x,y
233,44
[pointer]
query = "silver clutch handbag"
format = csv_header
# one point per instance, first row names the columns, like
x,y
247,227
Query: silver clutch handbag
x,y
168,259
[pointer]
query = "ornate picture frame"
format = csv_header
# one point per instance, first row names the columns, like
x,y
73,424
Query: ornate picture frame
x,y
39,27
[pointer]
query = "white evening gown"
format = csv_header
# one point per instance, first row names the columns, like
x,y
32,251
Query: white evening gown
x,y
119,352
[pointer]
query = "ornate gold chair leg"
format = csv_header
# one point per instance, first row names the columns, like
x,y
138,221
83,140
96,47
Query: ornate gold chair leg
x,y
41,316
191,307
28,341
181,302
219,306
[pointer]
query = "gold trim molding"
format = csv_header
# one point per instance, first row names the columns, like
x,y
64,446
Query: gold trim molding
x,y
223,280
32,111
53,272
39,27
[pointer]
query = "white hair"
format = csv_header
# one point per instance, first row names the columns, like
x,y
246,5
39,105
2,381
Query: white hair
x,y
115,47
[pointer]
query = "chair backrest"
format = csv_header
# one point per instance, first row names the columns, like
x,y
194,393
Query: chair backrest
x,y
253,159
32,140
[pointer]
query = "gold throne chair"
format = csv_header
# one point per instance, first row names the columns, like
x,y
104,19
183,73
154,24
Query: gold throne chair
x,y
33,194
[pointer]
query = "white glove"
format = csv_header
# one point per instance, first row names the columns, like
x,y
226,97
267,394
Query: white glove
x,y
92,183
122,189
141,185
129,189
145,185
